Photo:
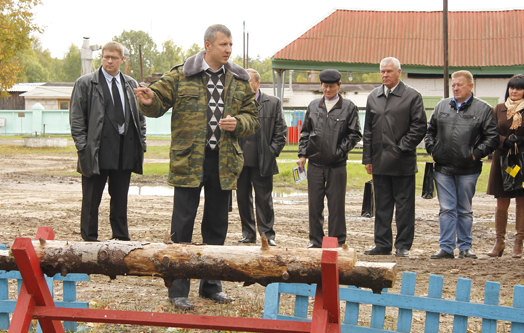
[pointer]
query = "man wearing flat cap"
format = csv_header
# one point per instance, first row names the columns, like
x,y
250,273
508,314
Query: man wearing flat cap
x,y
330,130
395,124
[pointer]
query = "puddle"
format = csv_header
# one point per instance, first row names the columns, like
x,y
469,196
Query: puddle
x,y
491,224
168,191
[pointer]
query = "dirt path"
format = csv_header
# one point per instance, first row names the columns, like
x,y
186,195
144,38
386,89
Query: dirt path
x,y
32,195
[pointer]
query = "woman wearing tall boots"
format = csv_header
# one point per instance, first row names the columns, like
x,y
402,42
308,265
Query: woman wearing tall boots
x,y
508,116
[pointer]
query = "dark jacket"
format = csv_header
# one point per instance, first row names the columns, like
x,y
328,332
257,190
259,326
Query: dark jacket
x,y
393,128
495,176
91,124
327,137
184,90
455,136
271,138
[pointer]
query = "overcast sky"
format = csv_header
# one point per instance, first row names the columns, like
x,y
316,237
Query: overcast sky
x,y
272,24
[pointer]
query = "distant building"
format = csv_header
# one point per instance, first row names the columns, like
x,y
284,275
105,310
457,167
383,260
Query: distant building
x,y
52,96
15,101
487,43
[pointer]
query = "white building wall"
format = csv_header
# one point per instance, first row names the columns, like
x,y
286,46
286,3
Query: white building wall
x,y
303,98
484,87
48,104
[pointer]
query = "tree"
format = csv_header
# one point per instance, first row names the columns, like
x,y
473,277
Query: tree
x,y
170,56
38,65
132,41
16,26
194,49
71,65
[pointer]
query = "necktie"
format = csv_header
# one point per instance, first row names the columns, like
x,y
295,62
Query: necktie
x,y
215,107
389,92
117,102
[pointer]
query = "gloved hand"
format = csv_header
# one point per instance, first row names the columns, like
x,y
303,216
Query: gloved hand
x,y
512,140
509,143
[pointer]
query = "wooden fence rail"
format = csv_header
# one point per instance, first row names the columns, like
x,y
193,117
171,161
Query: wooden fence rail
x,y
406,302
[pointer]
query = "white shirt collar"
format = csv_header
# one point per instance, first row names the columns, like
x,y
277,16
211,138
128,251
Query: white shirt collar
x,y
205,66
110,77
386,89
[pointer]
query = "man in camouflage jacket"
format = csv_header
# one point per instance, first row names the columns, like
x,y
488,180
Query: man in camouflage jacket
x,y
204,145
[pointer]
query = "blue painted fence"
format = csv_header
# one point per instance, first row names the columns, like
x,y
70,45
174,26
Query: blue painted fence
x,y
56,122
7,306
406,302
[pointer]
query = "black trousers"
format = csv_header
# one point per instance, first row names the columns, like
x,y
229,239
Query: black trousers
x,y
214,220
394,192
250,178
329,183
92,191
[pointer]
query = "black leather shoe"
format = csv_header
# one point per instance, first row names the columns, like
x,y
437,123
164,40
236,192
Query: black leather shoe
x,y
443,255
402,253
220,298
377,251
271,242
247,240
182,303
467,254
313,246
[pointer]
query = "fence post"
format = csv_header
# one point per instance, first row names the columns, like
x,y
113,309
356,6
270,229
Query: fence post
x,y
37,118
460,323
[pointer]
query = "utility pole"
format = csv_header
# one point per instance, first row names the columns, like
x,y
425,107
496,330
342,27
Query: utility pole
x,y
244,46
141,70
446,50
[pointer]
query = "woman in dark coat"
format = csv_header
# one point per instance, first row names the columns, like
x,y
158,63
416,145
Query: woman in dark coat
x,y
508,116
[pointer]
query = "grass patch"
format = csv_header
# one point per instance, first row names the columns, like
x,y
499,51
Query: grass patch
x,y
357,174
156,169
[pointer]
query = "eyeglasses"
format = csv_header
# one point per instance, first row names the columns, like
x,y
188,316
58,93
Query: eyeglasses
x,y
112,58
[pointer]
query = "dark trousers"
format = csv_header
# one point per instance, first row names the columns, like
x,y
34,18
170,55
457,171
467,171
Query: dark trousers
x,y
329,183
214,220
394,192
250,178
92,190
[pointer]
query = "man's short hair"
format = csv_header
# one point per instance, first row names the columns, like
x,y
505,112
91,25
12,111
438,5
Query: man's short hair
x,y
211,32
113,46
256,75
464,73
390,60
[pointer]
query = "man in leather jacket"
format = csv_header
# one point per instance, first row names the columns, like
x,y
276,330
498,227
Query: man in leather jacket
x,y
260,164
330,130
110,137
395,124
461,132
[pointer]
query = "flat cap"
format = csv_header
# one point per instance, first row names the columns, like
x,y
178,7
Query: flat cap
x,y
330,76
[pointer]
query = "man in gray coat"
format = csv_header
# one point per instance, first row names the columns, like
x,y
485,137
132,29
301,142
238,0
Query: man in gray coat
x,y
394,126
260,152
110,137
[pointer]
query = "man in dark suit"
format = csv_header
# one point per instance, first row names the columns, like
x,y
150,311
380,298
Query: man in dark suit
x,y
395,124
260,152
110,137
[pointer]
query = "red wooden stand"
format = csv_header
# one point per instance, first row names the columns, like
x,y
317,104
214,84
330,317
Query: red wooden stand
x,y
35,301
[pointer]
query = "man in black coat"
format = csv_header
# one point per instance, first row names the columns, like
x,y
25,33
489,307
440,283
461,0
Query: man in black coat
x,y
395,124
330,130
110,137
260,152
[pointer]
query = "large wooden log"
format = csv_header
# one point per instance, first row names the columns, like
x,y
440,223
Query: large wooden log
x,y
250,264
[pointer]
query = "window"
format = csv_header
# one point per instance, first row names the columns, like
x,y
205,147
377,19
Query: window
x,y
63,104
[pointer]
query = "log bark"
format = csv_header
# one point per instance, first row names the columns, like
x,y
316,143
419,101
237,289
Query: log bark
x,y
249,264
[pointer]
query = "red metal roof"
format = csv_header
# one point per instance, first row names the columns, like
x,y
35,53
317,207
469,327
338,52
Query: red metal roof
x,y
489,38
